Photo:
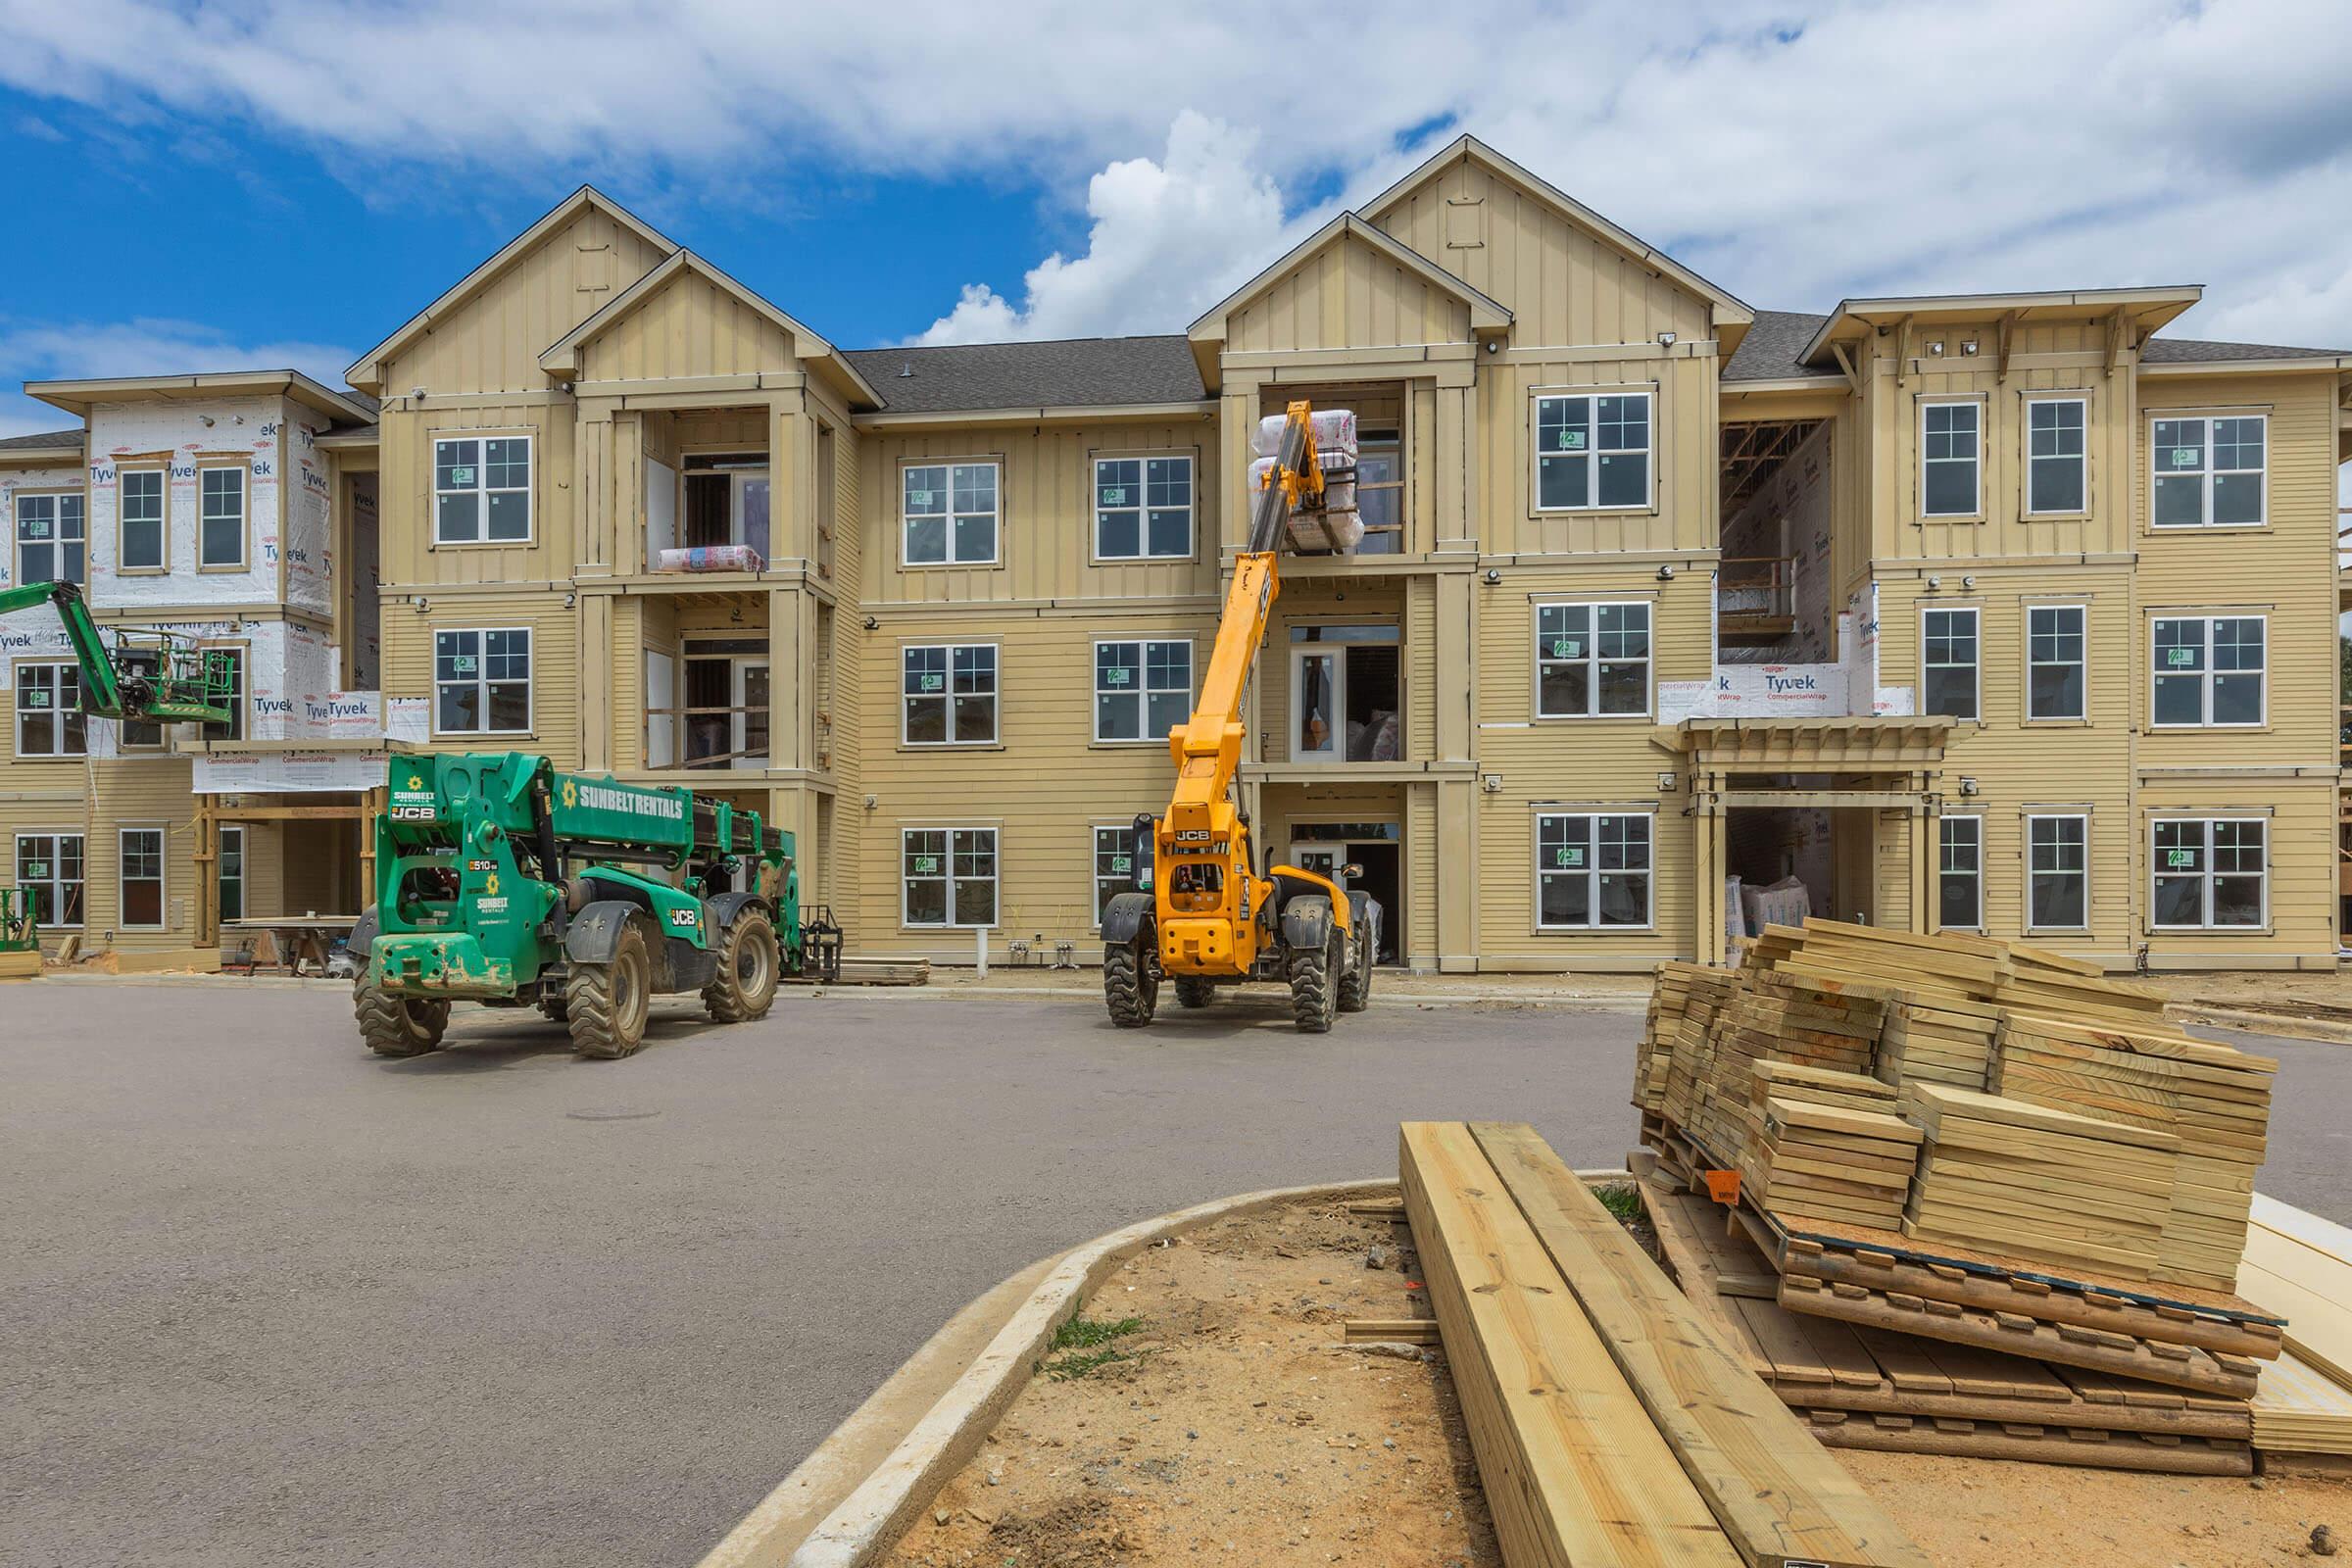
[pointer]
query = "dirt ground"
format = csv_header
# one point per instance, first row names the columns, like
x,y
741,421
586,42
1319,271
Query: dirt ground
x,y
1235,1426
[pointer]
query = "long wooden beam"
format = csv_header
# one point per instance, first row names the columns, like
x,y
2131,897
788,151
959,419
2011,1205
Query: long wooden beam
x,y
1779,1497
1575,1473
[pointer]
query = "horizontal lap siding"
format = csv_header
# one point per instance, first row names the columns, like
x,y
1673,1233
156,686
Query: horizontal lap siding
x,y
411,558
555,665
2303,870
1682,454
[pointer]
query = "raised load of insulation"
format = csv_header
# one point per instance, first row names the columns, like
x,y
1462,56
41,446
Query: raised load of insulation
x,y
1335,431
710,557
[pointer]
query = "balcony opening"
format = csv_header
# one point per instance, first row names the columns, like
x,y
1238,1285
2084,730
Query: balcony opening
x,y
1772,589
1346,686
707,491
1380,477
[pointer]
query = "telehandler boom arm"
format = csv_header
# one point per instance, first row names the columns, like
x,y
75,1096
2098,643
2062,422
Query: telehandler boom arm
x,y
146,675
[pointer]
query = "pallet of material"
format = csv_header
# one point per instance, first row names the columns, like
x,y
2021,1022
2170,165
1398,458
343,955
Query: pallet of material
x,y
1818,1161
1772,1019
2094,1446
885,971
2028,1181
1609,1424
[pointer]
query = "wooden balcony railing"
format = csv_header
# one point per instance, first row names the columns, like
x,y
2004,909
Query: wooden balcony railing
x,y
1755,598
705,737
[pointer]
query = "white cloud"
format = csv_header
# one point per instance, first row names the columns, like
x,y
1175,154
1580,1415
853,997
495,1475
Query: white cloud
x,y
1167,238
41,351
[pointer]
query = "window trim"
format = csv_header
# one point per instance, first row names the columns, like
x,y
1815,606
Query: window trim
x,y
1976,612
163,471
162,877
482,685
18,710
1094,877
1651,501
1535,661
996,833
1977,821
481,539
2031,607
1536,871
2206,417
2030,816
2027,459
243,467
996,532
995,727
16,538
2206,927
2207,675
79,836
1093,693
1976,514
1142,510
240,697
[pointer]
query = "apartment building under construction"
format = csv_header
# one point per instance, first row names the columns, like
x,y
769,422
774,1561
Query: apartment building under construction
x,y
2005,612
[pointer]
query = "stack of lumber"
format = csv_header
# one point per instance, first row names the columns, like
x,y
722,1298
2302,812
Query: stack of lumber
x,y
2028,1181
1775,1019
2299,1266
2213,1098
1940,1039
1828,1163
1610,1424
1684,1035
1669,1000
2300,1409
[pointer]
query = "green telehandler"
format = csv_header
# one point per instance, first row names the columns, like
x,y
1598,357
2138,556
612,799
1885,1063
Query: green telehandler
x,y
502,881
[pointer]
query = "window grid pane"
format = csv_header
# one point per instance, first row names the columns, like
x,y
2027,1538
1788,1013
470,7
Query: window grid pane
x,y
2054,660
1948,665
1592,872
1949,454
1960,876
1593,451
1592,661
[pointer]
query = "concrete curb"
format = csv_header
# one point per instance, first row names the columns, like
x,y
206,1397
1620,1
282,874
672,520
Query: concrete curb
x,y
868,1521
2277,1025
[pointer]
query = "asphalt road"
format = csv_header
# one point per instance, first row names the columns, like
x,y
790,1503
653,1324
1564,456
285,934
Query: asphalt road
x,y
267,1300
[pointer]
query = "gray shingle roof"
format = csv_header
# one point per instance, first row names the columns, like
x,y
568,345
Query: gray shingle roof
x,y
1769,351
2196,351
1074,372
38,443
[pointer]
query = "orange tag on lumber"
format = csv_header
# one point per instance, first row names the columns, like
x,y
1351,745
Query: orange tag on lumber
x,y
1723,1186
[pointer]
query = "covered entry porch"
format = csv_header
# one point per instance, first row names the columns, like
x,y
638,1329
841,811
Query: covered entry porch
x,y
1846,806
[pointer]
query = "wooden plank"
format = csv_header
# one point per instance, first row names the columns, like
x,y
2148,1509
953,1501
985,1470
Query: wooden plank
x,y
2101,1450
1573,1470
1776,1498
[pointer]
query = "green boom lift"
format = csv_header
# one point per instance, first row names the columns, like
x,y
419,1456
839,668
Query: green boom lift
x,y
502,881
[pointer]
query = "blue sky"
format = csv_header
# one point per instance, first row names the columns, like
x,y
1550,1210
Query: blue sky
x,y
207,185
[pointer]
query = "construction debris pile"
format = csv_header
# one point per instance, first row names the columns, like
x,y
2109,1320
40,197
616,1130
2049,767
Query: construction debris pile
x,y
1983,1200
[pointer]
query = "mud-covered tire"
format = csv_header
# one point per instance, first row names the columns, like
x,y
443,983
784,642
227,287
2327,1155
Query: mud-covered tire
x,y
1130,984
1193,992
750,963
607,1003
393,1026
1314,993
1356,977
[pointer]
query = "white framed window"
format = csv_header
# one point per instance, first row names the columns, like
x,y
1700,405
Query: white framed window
x,y
1593,451
949,513
139,877
949,693
234,729
1144,508
1592,659
1960,873
50,721
2057,455
1951,459
948,876
2056,679
1948,661
1114,865
52,539
141,533
2210,873
482,681
1142,688
482,489
1592,872
221,517
49,867
229,879
2057,872
2210,471
2209,671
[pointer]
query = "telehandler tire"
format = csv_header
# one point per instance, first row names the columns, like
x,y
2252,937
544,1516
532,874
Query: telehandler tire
x,y
749,964
1314,990
1130,983
394,1026
1355,976
607,1003
1193,992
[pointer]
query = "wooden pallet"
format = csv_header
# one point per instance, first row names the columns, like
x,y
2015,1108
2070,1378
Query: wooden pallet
x,y
2106,1450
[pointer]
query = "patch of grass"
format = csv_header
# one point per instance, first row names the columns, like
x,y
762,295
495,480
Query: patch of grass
x,y
1620,1200
1089,1342
1083,1332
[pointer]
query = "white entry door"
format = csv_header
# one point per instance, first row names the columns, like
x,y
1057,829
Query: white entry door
x,y
1318,734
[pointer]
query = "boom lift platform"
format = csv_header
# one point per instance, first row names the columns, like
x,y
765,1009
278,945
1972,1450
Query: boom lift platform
x,y
1198,913
502,881
147,677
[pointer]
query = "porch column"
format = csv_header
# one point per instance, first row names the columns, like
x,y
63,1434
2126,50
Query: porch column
x,y
1456,860
1710,854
